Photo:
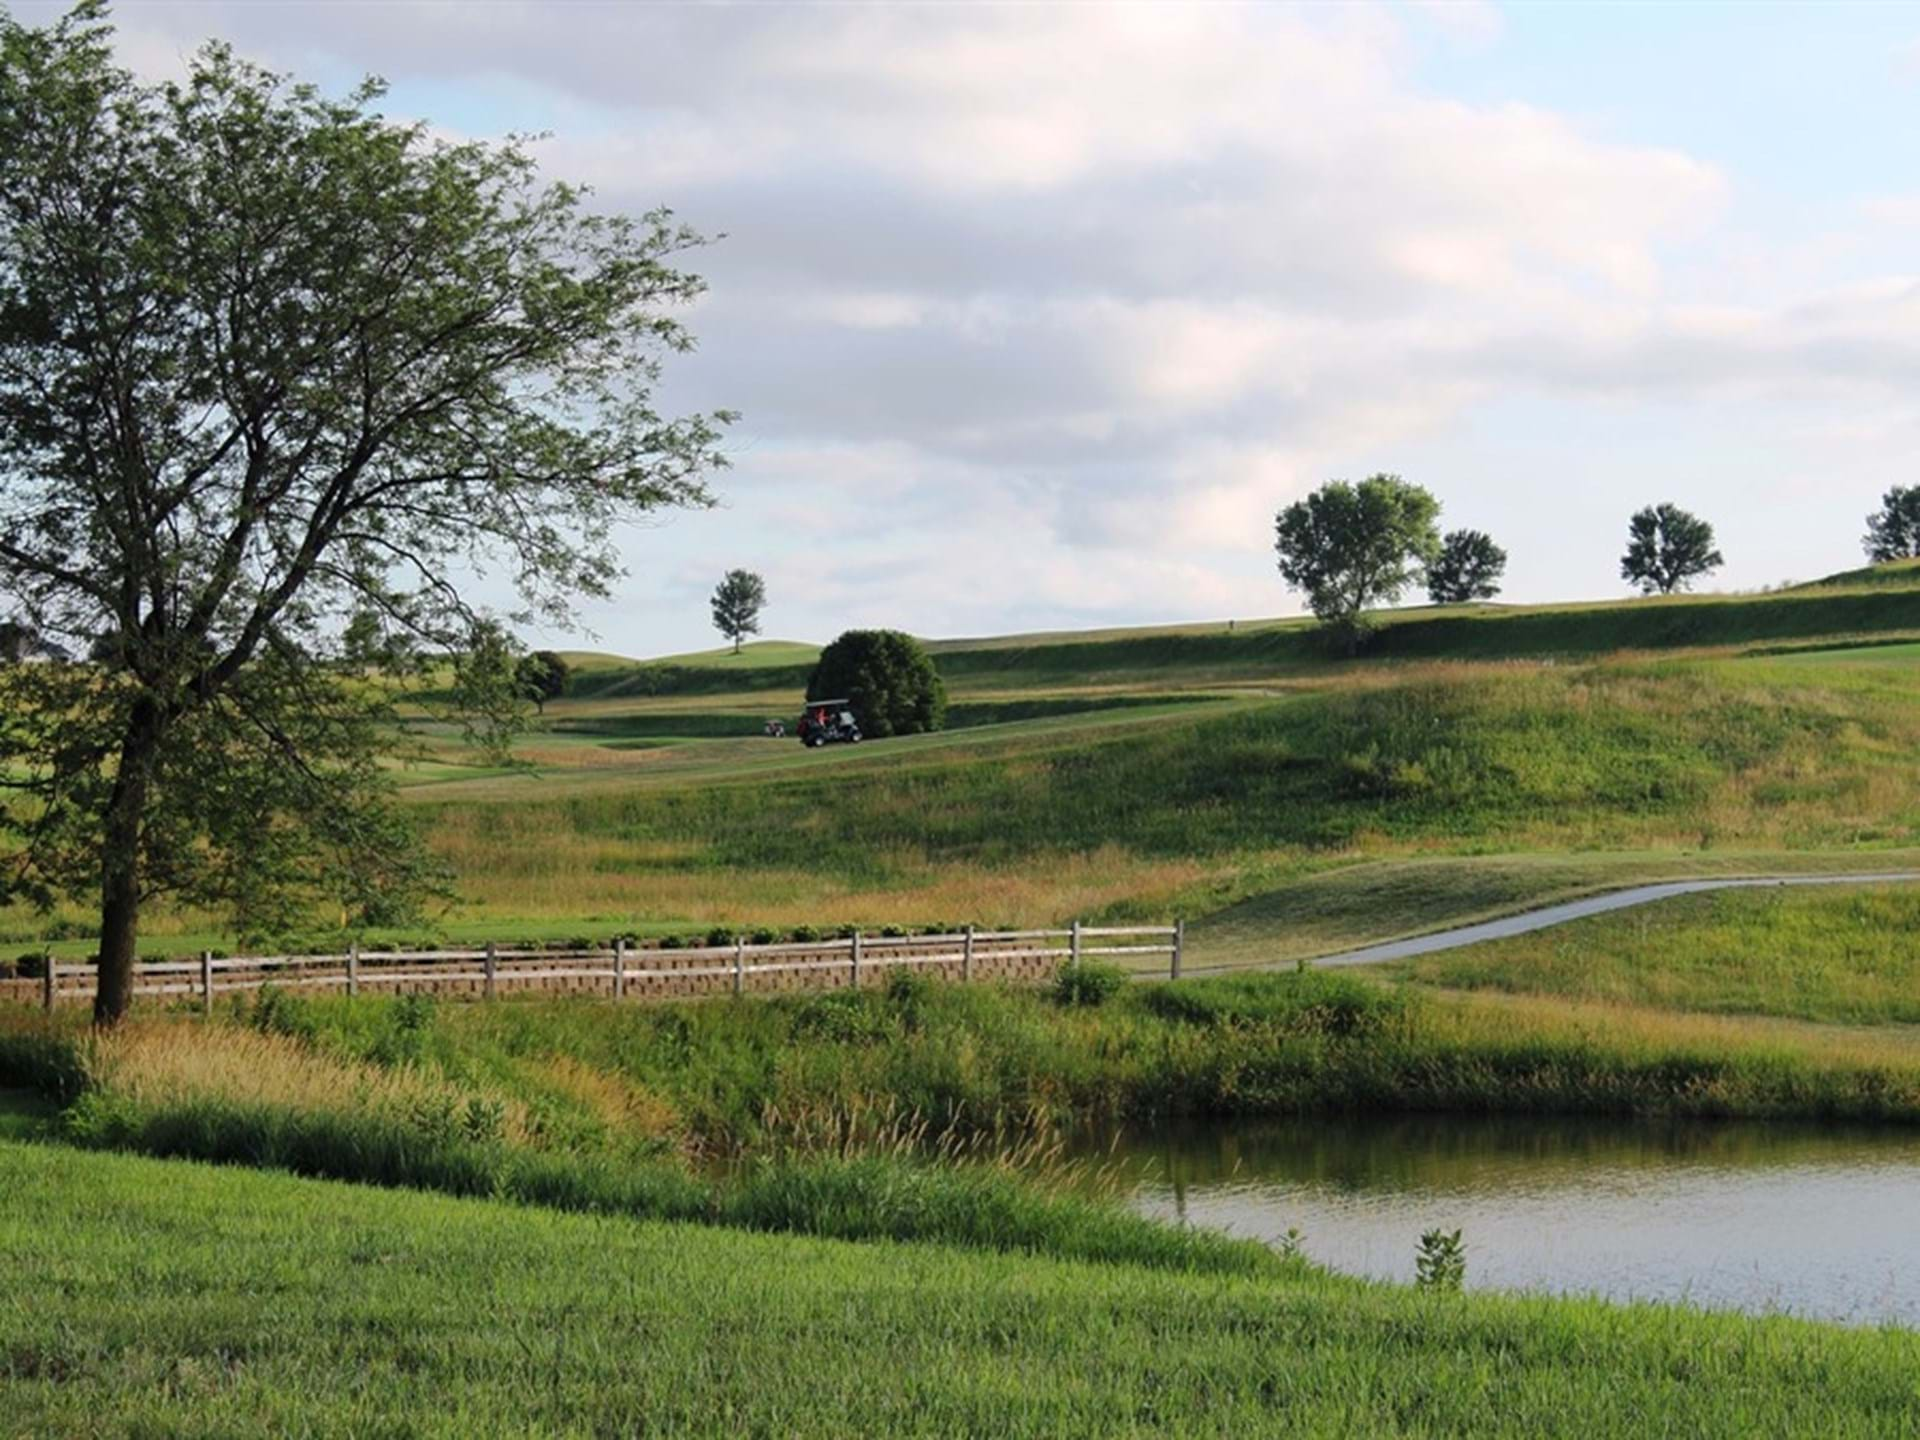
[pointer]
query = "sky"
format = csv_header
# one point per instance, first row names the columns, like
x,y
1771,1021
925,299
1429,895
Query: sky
x,y
1036,314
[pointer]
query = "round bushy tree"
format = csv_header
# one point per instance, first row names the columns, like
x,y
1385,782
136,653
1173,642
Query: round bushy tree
x,y
1667,550
1468,567
542,676
1893,531
1349,547
887,679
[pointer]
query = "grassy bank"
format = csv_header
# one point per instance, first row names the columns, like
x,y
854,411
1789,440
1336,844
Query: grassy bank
x,y
164,1299
1844,956
927,1070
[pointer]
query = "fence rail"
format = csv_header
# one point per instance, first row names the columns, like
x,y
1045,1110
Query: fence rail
x,y
628,971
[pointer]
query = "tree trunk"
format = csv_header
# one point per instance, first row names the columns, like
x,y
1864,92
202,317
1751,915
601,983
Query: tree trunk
x,y
120,867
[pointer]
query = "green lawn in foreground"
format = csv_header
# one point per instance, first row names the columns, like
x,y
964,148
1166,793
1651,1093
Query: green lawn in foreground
x,y
1847,955
161,1298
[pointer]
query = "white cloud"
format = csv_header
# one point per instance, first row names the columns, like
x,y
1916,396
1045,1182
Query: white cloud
x,y
1037,312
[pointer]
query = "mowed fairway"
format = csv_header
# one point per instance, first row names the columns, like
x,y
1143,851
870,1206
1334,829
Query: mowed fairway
x,y
161,1298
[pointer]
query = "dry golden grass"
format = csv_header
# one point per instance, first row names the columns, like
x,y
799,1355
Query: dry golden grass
x,y
1478,1017
165,1061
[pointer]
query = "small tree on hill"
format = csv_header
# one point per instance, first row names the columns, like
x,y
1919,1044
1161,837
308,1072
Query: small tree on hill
x,y
737,604
541,676
887,679
1893,531
1350,547
1468,567
1667,550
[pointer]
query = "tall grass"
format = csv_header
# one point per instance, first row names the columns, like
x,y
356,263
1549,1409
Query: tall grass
x,y
974,1072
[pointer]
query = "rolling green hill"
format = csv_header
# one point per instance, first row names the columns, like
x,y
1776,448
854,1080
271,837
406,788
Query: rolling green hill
x,y
1138,773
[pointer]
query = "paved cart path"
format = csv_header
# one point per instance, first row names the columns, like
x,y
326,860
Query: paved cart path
x,y
1551,915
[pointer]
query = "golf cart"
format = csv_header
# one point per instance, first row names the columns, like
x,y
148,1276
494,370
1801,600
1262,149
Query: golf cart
x,y
828,722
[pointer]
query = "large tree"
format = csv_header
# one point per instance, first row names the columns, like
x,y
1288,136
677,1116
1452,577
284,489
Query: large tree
x,y
269,360
1893,531
737,603
1353,546
1667,550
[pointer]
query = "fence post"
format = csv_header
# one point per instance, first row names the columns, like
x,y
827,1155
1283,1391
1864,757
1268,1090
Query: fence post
x,y
49,981
1073,957
966,957
620,968
855,951
353,968
206,983
490,970
1179,945
739,964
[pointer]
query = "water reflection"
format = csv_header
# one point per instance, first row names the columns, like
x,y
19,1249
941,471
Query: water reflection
x,y
1810,1220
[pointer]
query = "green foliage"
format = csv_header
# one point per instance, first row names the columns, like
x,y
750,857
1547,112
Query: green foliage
x,y
737,603
1315,1003
1350,547
281,1012
870,1198
1667,550
1088,984
193,254
541,676
405,1038
887,679
1468,567
842,1017
43,1056
1893,531
1441,1262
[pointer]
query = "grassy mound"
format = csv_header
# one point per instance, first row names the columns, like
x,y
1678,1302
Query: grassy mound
x,y
162,1299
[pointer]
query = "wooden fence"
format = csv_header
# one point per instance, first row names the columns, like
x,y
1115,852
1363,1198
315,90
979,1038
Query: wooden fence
x,y
625,972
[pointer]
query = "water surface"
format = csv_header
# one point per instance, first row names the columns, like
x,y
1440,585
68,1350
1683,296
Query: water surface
x,y
1807,1220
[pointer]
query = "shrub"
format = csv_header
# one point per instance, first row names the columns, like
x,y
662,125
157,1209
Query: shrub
x,y
1310,1002
37,1055
841,1016
279,1012
719,935
1088,983
409,1025
1441,1261
908,986
31,966
888,680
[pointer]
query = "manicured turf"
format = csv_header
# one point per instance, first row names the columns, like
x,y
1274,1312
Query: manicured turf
x,y
159,1298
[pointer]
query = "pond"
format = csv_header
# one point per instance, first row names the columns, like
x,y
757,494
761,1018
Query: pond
x,y
1822,1222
